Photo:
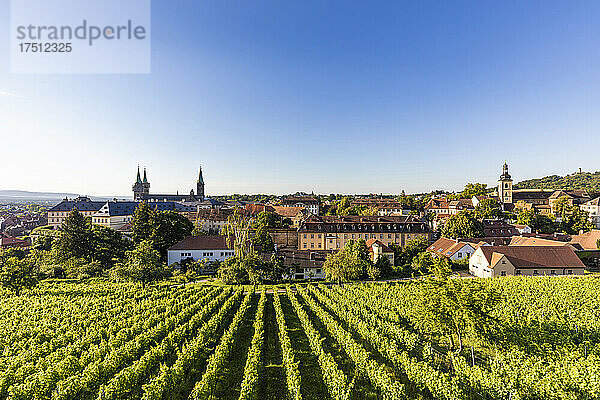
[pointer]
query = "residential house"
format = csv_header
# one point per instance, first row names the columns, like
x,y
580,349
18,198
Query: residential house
x,y
196,248
115,214
308,202
384,206
493,261
377,250
302,264
458,205
452,249
592,207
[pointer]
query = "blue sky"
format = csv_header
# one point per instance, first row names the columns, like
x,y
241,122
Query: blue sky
x,y
330,97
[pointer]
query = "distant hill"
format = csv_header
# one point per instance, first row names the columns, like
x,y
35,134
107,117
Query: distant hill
x,y
583,181
23,195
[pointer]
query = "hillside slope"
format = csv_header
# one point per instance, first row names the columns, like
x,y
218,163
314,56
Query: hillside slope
x,y
584,181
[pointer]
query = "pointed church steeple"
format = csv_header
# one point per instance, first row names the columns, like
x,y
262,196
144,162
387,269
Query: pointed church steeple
x,y
145,178
200,178
200,186
138,180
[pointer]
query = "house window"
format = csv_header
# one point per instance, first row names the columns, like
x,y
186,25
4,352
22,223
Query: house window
x,y
535,271
570,272
518,272
304,245
503,273
319,244
312,245
312,235
503,261
552,272
459,255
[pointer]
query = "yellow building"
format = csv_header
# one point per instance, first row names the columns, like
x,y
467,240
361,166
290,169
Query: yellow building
x,y
59,213
329,232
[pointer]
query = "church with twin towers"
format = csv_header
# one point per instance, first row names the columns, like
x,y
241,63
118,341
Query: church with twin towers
x,y
141,190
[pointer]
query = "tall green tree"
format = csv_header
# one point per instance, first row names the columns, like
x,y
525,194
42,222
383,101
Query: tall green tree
x,y
17,274
463,225
349,263
168,228
488,209
142,264
75,240
141,223
108,246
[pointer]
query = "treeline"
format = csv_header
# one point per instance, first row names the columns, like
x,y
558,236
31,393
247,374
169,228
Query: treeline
x,y
578,181
82,250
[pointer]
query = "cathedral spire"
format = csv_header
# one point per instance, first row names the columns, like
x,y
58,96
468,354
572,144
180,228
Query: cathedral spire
x,y
138,180
145,178
200,178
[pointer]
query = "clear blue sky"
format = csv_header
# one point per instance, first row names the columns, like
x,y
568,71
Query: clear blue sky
x,y
331,97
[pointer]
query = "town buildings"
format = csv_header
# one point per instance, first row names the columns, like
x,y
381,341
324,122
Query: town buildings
x,y
308,202
384,206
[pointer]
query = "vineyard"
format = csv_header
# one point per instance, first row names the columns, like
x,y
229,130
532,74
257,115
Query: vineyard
x,y
539,340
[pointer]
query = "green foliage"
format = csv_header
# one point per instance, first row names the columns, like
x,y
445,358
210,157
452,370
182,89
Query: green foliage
x,y
168,228
470,190
108,246
488,209
162,228
247,268
76,238
449,307
576,221
16,273
585,181
536,221
463,225
349,263
142,264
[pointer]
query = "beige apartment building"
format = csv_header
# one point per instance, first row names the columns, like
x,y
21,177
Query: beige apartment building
x,y
328,232
59,213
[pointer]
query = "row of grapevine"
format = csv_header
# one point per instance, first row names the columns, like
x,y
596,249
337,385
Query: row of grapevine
x,y
420,372
377,373
121,385
69,359
249,386
335,379
205,386
291,366
171,377
87,382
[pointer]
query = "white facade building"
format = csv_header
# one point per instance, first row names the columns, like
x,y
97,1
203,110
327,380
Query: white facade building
x,y
198,248
592,207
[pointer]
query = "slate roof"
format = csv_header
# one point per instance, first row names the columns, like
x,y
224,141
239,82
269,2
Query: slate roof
x,y
80,203
360,223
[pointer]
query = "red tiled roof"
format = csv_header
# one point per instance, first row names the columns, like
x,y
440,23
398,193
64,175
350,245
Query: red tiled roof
x,y
535,256
202,243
